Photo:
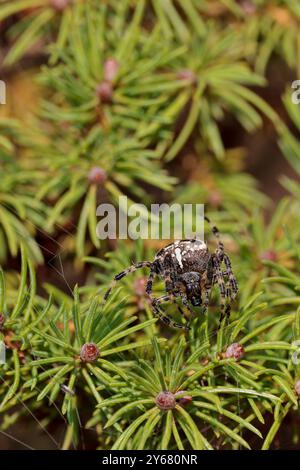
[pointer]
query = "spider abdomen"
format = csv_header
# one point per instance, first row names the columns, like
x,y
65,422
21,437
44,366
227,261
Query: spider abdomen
x,y
184,256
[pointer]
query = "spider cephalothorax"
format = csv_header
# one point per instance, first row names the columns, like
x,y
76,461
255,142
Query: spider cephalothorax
x,y
189,271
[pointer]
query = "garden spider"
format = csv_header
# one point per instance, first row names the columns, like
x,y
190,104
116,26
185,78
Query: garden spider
x,y
188,270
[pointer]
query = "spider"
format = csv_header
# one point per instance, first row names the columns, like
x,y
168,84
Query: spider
x,y
189,271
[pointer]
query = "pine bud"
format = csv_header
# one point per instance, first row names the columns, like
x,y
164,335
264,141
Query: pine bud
x,y
269,255
140,286
104,92
183,400
215,199
97,175
89,352
111,68
235,351
297,387
59,5
165,400
248,6
188,75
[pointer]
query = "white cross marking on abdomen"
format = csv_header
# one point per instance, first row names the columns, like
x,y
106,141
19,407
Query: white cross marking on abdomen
x,y
178,256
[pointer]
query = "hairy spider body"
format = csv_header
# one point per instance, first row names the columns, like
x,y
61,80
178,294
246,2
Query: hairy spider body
x,y
189,271
186,266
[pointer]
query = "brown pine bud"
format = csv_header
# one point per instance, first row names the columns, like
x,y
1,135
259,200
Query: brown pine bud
x,y
89,352
234,351
183,400
97,175
104,92
205,361
111,68
165,400
2,320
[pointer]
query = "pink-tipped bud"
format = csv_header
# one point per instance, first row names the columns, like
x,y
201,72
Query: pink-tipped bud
x,y
235,351
188,75
89,352
140,286
97,175
297,387
165,400
215,198
248,7
111,68
269,255
59,5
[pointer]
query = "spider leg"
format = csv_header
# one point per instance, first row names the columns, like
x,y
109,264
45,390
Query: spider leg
x,y
206,299
222,256
150,279
157,310
232,281
229,293
216,233
173,292
220,280
170,287
225,307
124,273
181,311
185,302
172,298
